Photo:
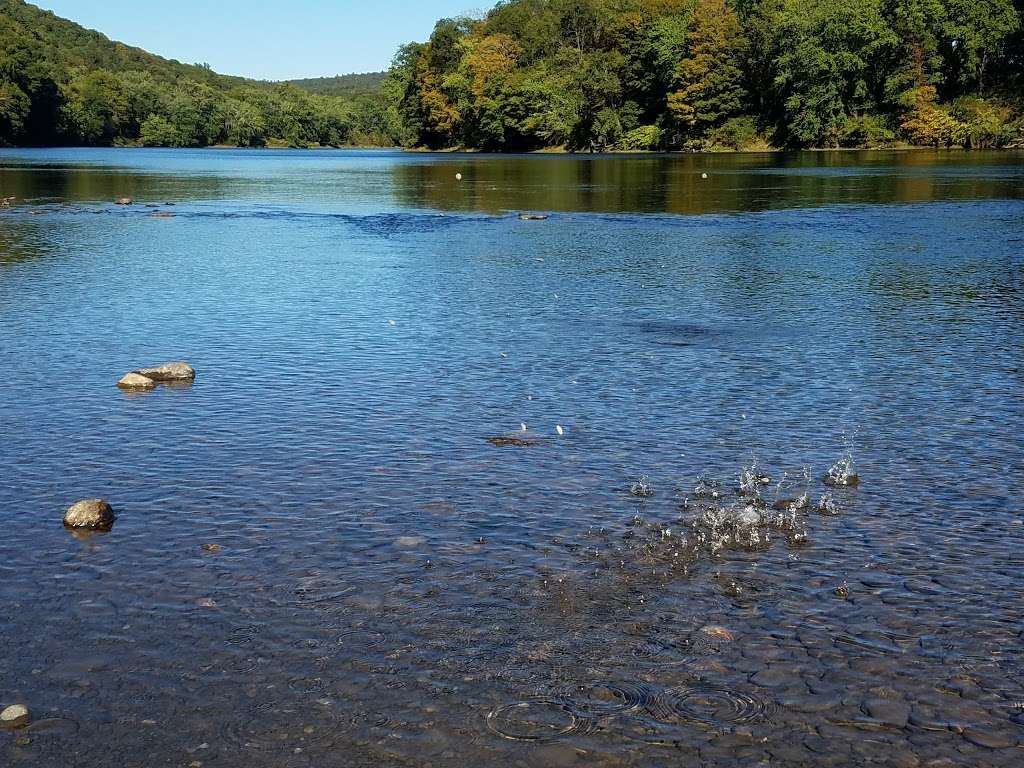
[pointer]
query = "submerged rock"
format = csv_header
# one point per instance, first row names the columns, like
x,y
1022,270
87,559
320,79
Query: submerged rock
x,y
15,716
890,712
94,514
409,541
515,439
718,633
990,739
136,382
177,371
533,216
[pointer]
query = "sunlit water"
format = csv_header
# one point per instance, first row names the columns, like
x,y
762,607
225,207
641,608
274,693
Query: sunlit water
x,y
719,471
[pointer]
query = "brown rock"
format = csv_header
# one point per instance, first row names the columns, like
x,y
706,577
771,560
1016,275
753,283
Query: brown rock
x,y
123,201
136,382
169,372
94,514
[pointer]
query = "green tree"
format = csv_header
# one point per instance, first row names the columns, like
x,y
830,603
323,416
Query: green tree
x,y
158,131
14,107
977,34
828,67
97,107
710,81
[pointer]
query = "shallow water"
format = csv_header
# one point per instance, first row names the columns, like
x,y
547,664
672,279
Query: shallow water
x,y
404,577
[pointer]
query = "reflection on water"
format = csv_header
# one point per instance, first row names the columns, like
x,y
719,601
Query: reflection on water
x,y
453,488
373,182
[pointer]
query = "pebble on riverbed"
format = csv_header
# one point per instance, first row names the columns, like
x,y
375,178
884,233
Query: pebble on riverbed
x,y
718,633
14,716
93,514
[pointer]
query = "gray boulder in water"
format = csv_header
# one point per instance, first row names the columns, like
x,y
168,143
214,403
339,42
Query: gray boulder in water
x,y
169,372
94,514
532,217
123,201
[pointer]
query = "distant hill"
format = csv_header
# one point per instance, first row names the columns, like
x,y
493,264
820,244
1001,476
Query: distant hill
x,y
343,85
61,83
68,46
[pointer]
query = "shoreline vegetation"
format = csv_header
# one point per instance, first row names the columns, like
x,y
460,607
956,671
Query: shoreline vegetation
x,y
559,76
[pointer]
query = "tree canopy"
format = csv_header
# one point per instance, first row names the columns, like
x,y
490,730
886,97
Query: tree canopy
x,y
705,74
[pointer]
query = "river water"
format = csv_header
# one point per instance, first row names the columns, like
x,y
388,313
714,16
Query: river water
x,y
339,547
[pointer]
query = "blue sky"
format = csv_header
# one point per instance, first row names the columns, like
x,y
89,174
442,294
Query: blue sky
x,y
275,40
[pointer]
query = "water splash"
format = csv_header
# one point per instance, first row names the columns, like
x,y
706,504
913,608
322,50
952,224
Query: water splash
x,y
827,505
707,487
712,706
642,487
752,480
536,720
842,474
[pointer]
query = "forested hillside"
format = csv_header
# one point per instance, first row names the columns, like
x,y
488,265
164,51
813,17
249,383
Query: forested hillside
x,y
706,74
63,84
344,85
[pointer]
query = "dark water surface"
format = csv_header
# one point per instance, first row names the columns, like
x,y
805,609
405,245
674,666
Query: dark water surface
x,y
392,588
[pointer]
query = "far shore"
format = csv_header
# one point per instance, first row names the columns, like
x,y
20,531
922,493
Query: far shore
x,y
760,150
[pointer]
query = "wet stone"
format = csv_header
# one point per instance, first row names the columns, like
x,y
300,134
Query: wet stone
x,y
774,676
990,739
94,514
891,713
963,687
409,542
169,372
136,382
810,704
14,716
553,756
718,633
514,440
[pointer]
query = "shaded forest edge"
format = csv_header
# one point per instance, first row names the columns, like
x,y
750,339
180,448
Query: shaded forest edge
x,y
573,75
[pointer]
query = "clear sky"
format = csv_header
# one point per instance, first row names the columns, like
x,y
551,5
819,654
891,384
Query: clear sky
x,y
277,40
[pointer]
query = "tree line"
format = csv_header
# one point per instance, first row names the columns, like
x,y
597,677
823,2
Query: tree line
x,y
61,84
583,75
709,74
